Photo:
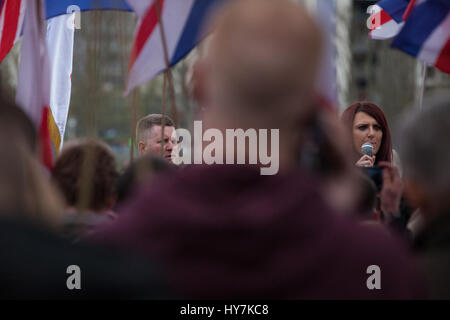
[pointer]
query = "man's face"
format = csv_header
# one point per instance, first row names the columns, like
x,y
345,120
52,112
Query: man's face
x,y
153,143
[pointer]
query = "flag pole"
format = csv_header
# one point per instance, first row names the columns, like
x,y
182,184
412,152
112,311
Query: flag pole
x,y
422,89
168,72
133,123
163,111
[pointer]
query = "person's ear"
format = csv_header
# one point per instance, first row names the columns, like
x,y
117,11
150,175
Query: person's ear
x,y
141,147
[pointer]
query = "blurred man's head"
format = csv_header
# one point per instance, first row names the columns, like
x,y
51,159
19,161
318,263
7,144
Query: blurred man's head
x,y
425,153
149,137
259,67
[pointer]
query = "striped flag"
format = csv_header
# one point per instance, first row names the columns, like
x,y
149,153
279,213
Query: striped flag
x,y
385,21
12,14
33,87
426,33
394,8
182,21
11,18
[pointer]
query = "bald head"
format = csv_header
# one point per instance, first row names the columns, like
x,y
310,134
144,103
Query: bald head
x,y
263,54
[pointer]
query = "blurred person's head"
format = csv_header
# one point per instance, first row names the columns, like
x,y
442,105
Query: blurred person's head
x,y
25,193
16,123
367,204
142,170
258,70
86,171
327,153
148,135
366,122
425,152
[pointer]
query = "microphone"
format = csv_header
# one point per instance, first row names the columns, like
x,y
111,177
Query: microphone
x,y
367,148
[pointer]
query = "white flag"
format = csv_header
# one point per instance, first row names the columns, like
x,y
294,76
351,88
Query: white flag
x,y
60,37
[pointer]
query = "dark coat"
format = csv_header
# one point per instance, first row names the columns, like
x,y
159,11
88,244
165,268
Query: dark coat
x,y
433,247
34,262
225,231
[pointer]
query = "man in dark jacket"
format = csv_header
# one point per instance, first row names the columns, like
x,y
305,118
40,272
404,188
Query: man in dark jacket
x,y
38,264
226,231
425,151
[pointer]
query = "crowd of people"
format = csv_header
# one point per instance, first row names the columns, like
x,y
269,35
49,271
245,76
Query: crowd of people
x,y
314,230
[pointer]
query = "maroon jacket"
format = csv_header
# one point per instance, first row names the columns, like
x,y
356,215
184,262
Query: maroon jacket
x,y
228,232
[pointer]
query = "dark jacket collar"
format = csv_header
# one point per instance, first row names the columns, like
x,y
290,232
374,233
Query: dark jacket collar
x,y
436,234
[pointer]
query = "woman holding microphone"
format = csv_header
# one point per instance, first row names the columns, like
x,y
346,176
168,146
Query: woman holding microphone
x,y
372,147
368,127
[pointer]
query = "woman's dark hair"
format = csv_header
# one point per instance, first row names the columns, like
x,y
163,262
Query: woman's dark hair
x,y
348,116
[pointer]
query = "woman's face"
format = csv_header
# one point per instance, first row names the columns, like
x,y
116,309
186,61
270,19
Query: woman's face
x,y
366,129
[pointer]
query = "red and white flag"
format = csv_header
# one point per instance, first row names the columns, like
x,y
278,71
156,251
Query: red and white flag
x,y
182,21
60,38
33,86
11,19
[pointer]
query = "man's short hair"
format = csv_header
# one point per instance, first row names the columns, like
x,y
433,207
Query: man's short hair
x,y
146,123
